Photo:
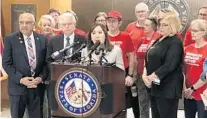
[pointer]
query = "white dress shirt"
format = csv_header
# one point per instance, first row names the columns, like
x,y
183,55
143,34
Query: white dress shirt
x,y
72,37
33,45
115,56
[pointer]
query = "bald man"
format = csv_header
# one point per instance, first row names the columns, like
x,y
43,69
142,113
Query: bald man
x,y
24,61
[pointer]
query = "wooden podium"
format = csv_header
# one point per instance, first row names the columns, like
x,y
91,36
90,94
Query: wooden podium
x,y
110,81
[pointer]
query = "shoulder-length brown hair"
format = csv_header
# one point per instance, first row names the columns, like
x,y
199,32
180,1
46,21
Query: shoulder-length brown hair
x,y
107,43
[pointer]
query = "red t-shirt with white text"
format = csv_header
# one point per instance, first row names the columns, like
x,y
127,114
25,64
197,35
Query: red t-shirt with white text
x,y
193,64
124,41
142,49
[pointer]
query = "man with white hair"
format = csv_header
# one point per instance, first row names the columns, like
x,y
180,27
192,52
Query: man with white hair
x,y
24,59
136,31
67,23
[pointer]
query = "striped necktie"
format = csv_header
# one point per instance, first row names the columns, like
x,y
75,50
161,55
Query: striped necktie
x,y
67,44
31,56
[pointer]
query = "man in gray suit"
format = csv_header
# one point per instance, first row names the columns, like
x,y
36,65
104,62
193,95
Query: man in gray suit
x,y
24,61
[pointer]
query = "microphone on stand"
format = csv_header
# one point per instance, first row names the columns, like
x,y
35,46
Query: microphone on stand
x,y
92,49
75,52
57,53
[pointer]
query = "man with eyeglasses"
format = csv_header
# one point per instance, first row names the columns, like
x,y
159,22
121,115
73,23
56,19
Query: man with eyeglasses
x,y
24,59
202,14
136,31
123,40
67,23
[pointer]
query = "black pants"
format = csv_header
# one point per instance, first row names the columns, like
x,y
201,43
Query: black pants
x,y
30,99
132,101
164,108
193,106
44,88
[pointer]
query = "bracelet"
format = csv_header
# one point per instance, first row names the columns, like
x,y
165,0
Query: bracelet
x,y
131,75
192,88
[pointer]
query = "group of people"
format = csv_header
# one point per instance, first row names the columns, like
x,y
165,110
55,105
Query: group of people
x,y
161,65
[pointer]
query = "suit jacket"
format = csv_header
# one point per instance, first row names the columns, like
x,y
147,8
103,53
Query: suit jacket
x,y
16,64
57,43
165,58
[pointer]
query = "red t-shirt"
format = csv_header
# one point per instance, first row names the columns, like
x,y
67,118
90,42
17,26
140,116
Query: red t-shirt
x,y
124,41
76,31
142,48
135,32
80,32
193,64
188,38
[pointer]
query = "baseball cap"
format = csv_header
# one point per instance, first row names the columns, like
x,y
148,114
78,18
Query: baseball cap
x,y
114,14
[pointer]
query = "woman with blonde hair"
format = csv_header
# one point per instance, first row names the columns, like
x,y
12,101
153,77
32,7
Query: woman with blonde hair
x,y
162,13
46,25
163,69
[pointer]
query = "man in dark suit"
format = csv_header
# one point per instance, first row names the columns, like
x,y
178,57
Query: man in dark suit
x,y
24,61
67,23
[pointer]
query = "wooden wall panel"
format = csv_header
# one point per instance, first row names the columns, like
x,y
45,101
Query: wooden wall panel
x,y
42,7
87,9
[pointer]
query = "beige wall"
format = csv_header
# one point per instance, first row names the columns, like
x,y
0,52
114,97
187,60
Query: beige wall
x,y
62,6
42,7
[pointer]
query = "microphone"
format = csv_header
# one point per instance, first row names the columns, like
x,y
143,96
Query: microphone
x,y
77,51
100,49
57,53
92,49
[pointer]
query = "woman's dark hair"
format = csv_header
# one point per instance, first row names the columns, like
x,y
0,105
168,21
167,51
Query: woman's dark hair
x,y
108,45
154,23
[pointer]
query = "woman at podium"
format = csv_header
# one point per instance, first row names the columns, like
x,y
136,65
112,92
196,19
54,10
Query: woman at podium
x,y
99,50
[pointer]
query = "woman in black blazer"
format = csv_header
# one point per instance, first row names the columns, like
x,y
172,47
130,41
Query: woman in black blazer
x,y
163,69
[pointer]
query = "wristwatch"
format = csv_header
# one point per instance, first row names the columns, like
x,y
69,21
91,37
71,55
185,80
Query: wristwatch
x,y
192,88
131,75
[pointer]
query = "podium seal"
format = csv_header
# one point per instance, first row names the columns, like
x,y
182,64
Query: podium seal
x,y
78,92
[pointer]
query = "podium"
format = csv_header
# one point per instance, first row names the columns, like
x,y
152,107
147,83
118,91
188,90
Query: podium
x,y
87,91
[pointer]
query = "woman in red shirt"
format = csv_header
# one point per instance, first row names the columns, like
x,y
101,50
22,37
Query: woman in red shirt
x,y
194,57
150,30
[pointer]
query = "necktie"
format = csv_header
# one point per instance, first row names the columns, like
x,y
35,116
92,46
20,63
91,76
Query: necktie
x,y
67,44
31,56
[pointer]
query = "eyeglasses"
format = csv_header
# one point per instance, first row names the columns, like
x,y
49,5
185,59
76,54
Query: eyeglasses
x,y
196,31
141,11
102,20
25,22
201,14
67,24
164,25
112,21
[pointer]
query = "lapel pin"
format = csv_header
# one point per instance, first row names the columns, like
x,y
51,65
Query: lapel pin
x,y
21,41
37,38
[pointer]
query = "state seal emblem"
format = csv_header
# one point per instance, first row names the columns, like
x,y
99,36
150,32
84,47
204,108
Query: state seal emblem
x,y
180,7
78,92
